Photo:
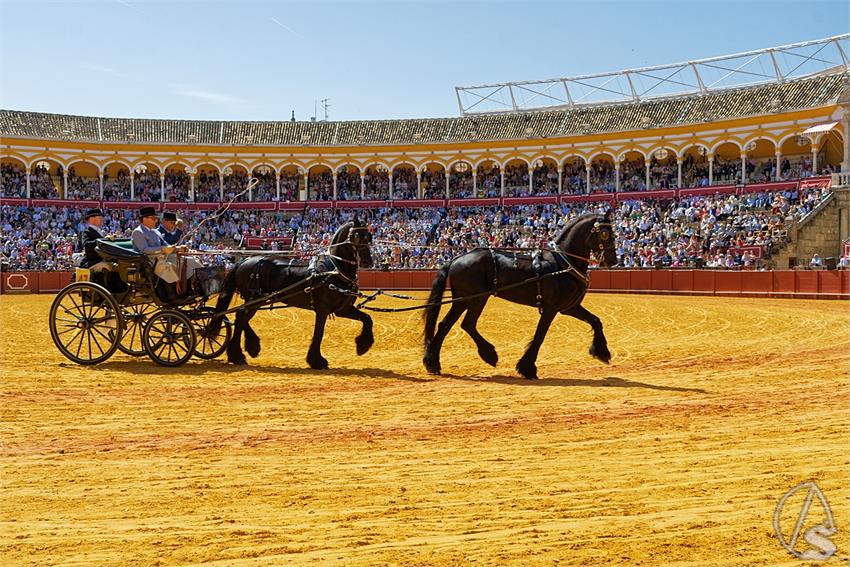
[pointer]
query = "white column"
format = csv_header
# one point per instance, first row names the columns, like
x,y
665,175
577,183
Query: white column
x,y
845,164
335,192
560,180
679,178
502,175
132,185
192,187
474,183
743,168
531,179
29,192
778,175
65,180
220,187
418,184
814,159
587,179
277,184
390,176
363,185
162,186
306,185
448,185
102,173
617,177
711,170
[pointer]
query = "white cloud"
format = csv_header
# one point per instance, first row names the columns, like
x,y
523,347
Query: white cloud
x,y
208,96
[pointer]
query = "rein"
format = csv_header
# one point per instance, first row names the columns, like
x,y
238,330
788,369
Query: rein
x,y
253,182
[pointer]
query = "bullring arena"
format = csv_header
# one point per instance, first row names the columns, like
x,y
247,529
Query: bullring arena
x,y
676,453
725,313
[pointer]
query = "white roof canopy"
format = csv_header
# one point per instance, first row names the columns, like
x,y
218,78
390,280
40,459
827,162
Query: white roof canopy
x,y
821,128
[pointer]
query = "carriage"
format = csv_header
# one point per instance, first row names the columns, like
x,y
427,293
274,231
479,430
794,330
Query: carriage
x,y
126,310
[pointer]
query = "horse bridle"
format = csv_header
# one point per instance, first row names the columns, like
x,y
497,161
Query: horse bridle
x,y
355,245
604,236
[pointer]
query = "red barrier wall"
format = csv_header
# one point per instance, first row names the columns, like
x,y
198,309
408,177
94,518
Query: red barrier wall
x,y
821,284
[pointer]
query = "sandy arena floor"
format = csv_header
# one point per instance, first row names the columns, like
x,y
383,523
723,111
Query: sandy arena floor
x,y
675,454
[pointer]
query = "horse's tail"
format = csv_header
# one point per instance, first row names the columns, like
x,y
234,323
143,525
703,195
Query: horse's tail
x,y
228,288
431,312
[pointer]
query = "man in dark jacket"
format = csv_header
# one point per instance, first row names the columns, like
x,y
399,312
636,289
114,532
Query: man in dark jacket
x,y
169,228
88,240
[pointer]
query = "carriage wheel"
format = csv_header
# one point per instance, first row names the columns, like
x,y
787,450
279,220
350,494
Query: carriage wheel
x,y
169,337
135,318
210,344
85,323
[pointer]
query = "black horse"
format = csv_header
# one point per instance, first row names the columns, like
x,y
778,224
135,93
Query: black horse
x,y
316,285
483,272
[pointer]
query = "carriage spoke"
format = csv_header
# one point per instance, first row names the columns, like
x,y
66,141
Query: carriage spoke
x,y
99,332
97,344
73,339
68,330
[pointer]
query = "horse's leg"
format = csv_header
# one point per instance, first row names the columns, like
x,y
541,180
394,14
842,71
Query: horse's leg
x,y
599,346
486,351
432,351
234,347
252,341
526,365
314,355
365,339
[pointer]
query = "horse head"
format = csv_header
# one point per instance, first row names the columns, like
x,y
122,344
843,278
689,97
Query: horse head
x,y
588,234
353,242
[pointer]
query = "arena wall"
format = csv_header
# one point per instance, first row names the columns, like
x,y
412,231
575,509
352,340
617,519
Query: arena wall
x,y
803,284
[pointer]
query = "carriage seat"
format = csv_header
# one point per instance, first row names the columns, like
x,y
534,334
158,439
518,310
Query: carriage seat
x,y
119,251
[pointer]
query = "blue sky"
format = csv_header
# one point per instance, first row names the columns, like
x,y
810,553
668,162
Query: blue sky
x,y
231,60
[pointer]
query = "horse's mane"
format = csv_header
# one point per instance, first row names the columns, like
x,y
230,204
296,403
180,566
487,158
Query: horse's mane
x,y
570,225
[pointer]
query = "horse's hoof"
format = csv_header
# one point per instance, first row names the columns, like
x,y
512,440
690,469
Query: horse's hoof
x,y
253,349
529,372
364,344
318,364
603,355
489,355
433,367
238,361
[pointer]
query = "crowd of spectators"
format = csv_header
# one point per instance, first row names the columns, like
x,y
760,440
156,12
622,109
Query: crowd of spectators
x,y
715,229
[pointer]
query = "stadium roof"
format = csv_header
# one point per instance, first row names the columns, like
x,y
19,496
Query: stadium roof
x,y
701,76
811,92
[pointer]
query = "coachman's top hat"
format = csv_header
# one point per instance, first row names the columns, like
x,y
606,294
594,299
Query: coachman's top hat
x,y
93,213
168,215
147,212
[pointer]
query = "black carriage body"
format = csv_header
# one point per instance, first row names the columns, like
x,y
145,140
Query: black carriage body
x,y
143,321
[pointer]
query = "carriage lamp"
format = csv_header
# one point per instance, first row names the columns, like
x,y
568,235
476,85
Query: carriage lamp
x,y
661,154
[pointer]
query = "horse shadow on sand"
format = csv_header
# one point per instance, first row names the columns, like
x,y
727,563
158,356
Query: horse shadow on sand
x,y
607,382
146,367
